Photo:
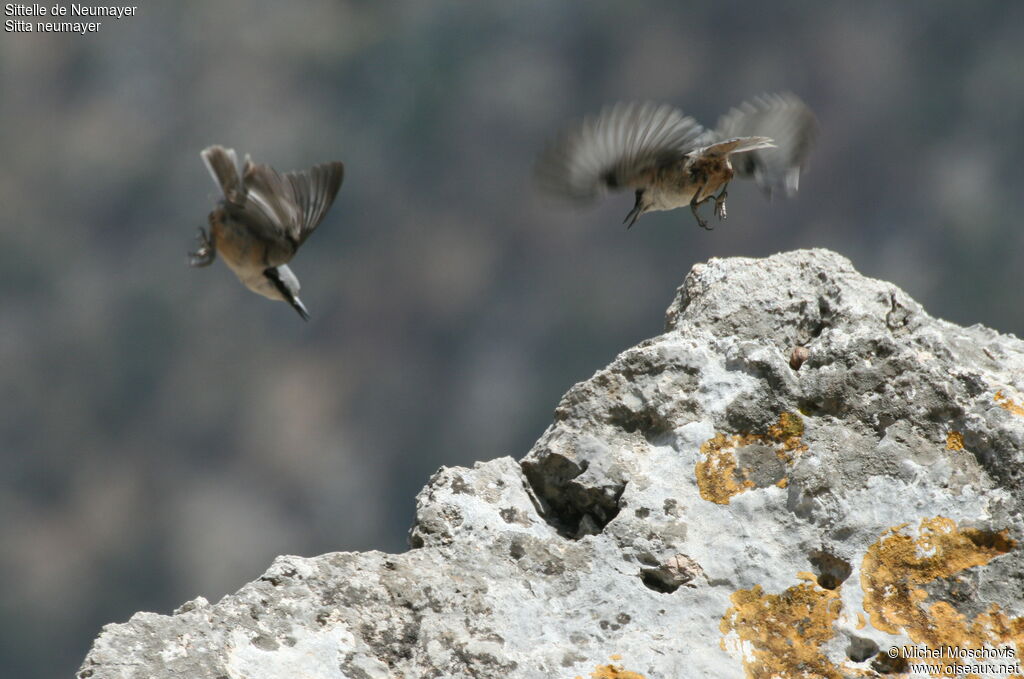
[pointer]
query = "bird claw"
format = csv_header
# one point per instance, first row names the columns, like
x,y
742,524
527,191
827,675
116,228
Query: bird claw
x,y
701,222
205,254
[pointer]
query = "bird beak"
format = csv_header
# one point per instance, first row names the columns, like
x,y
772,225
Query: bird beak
x,y
287,287
299,307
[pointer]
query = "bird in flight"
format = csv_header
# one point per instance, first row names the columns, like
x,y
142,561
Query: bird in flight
x,y
670,161
263,218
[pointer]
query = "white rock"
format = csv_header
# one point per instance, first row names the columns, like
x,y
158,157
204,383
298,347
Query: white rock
x,y
699,508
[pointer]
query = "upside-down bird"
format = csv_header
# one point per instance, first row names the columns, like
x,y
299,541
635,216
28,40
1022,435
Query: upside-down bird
x,y
262,220
670,161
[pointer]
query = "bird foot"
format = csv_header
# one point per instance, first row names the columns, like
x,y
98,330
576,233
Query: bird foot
x,y
701,222
205,254
720,205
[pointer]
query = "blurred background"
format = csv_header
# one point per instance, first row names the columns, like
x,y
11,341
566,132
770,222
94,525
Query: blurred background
x,y
164,432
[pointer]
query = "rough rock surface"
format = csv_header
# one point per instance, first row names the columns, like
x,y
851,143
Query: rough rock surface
x,y
803,472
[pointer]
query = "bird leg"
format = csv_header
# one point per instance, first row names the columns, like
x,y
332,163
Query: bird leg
x,y
637,210
693,208
206,253
720,203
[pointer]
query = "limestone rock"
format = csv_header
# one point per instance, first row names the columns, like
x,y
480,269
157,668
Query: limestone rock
x,y
803,476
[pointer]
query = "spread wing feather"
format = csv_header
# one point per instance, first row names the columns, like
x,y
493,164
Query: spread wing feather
x,y
274,197
792,127
279,206
611,150
314,192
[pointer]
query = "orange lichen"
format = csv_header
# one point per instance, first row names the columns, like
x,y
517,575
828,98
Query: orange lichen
x,y
1007,403
719,475
613,671
784,632
781,635
896,567
954,441
788,432
807,576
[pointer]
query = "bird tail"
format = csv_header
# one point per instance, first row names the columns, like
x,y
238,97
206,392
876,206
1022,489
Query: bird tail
x,y
223,166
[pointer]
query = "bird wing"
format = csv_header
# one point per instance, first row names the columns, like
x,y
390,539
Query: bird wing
x,y
314,191
791,126
273,198
736,145
614,149
294,203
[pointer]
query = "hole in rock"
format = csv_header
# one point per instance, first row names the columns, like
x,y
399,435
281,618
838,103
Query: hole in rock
x,y
830,569
883,664
860,649
675,572
647,422
653,578
572,508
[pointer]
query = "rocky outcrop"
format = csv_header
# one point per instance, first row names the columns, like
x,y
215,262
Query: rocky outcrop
x,y
805,475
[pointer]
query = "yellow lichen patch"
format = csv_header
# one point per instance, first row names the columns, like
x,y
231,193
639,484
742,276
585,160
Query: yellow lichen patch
x,y
1007,403
719,475
788,432
614,672
784,632
1000,626
896,567
954,441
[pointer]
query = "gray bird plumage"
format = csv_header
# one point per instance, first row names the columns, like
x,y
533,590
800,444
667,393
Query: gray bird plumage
x,y
603,153
669,160
263,219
